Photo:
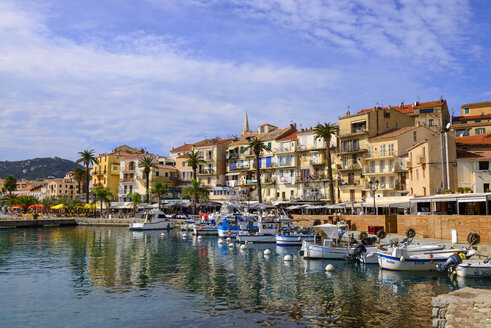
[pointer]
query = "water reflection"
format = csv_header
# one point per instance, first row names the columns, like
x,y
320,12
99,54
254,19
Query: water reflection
x,y
204,283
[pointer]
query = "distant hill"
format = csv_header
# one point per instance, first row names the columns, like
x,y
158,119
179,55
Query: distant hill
x,y
37,168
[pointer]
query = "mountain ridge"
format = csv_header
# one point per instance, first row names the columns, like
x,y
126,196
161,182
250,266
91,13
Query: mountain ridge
x,y
36,168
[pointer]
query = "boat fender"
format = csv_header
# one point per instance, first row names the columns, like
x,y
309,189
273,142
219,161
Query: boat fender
x,y
330,267
381,234
200,237
267,252
299,238
288,258
230,245
363,235
473,238
242,247
402,259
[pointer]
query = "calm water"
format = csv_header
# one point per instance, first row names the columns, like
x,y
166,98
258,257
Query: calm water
x,y
99,276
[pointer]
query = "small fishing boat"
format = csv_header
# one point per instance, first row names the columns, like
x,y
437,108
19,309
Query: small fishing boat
x,y
153,220
293,239
400,259
371,257
265,233
475,268
231,225
205,229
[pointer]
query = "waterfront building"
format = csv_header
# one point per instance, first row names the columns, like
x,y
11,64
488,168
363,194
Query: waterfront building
x,y
211,173
475,119
427,176
277,165
473,163
133,179
312,180
62,187
433,114
354,132
476,109
105,173
386,160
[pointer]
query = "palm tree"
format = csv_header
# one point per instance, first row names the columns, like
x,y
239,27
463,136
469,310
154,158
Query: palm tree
x,y
159,189
194,160
49,201
147,164
256,145
69,203
25,202
136,199
103,195
327,131
10,184
9,199
87,157
78,174
195,192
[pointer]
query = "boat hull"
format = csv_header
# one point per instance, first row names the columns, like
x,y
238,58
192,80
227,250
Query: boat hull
x,y
293,240
388,262
140,226
230,231
312,251
474,269
202,231
256,238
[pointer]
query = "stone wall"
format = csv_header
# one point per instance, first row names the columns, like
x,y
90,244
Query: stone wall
x,y
441,226
467,307
357,222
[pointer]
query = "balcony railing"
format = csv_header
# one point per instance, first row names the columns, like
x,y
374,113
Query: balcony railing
x,y
206,171
312,178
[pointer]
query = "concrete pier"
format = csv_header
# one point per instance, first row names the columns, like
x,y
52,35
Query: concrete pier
x,y
31,223
464,308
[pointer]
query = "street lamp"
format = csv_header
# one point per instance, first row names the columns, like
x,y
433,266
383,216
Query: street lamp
x,y
373,185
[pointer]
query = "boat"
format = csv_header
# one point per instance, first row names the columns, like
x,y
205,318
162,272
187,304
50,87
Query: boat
x,y
264,233
329,246
294,237
475,268
205,229
400,259
231,225
153,220
371,257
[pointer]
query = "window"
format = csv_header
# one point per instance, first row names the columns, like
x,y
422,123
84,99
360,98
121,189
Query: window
x,y
483,165
424,170
382,150
166,174
370,151
387,124
382,166
466,111
391,149
480,130
269,145
382,182
345,162
423,152
463,133
391,165
414,136
431,123
157,173
392,182
417,174
372,164
209,180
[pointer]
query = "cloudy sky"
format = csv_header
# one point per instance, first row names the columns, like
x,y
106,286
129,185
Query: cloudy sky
x,y
96,74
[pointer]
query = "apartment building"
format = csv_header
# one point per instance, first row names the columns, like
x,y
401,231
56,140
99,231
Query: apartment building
x,y
354,133
277,165
312,180
62,187
473,162
476,109
475,119
386,158
213,152
424,163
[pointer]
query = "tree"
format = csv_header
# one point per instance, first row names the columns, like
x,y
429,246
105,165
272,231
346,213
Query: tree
x,y
49,201
326,131
195,192
136,199
87,157
256,145
78,174
194,160
158,190
9,185
103,195
146,163
69,203
25,202
9,199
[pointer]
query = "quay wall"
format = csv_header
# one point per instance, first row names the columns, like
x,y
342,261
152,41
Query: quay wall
x,y
8,223
426,226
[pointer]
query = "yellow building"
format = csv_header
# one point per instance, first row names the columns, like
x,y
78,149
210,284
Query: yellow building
x,y
476,109
385,160
354,132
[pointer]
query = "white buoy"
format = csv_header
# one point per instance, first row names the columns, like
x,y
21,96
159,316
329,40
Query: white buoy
x,y
242,247
230,245
162,234
200,237
228,239
267,252
221,241
184,235
402,259
288,258
330,267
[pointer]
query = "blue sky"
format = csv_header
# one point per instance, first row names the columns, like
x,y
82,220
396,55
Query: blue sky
x,y
97,74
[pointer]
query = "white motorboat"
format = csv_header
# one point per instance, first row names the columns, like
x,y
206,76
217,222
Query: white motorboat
x,y
265,233
205,229
475,268
371,257
400,259
153,220
293,239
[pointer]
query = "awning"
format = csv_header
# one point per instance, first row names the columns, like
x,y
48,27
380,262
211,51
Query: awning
x,y
429,200
471,199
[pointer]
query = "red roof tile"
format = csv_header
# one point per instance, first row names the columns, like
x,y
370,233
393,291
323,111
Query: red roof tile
x,y
480,139
477,105
474,117
474,154
184,147
166,167
408,109
290,136
394,133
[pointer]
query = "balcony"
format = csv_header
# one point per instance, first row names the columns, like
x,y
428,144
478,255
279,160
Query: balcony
x,y
283,150
232,155
409,164
209,158
347,150
312,178
206,172
421,160
128,169
349,184
317,161
240,166
128,180
350,167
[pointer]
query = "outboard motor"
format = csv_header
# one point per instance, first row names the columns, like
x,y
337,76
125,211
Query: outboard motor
x,y
452,262
357,252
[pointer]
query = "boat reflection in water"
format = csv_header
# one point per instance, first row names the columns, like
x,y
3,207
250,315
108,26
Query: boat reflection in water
x,y
106,274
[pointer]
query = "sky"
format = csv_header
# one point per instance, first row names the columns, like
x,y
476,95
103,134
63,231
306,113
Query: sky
x,y
96,74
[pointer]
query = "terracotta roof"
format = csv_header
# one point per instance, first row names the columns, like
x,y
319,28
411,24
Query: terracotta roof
x,y
272,135
409,109
306,130
136,156
474,154
268,124
394,133
290,136
474,117
477,105
182,148
480,139
212,142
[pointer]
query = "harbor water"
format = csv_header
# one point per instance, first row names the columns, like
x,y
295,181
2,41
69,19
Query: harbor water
x,y
111,277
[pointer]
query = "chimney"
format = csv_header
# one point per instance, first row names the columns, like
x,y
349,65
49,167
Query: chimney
x,y
402,105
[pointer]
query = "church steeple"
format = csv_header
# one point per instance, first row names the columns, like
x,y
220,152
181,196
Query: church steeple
x,y
245,129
